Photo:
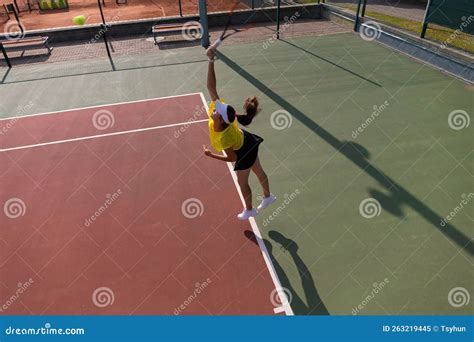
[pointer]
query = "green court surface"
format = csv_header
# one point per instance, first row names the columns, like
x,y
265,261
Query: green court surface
x,y
408,161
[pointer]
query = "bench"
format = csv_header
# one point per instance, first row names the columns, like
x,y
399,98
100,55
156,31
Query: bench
x,y
186,32
23,44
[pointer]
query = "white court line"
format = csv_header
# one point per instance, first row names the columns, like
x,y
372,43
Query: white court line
x,y
279,309
101,135
266,256
98,106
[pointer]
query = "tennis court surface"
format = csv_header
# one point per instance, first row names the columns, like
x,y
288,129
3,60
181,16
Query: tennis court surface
x,y
368,151
116,206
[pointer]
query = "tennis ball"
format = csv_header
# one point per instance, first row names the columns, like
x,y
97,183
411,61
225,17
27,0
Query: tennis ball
x,y
79,20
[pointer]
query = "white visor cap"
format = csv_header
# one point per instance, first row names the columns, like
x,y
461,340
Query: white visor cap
x,y
221,108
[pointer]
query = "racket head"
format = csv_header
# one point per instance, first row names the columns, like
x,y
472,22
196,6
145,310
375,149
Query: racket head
x,y
224,35
229,20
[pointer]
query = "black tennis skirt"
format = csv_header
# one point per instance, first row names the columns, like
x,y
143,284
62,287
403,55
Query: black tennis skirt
x,y
248,153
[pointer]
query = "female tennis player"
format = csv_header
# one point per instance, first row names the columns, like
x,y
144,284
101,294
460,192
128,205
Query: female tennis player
x,y
240,146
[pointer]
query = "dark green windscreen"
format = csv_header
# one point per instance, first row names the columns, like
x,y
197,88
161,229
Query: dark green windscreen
x,y
455,14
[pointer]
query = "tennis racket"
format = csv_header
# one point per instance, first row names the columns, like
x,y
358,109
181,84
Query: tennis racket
x,y
228,29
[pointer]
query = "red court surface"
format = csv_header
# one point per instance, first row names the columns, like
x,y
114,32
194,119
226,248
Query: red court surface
x,y
115,210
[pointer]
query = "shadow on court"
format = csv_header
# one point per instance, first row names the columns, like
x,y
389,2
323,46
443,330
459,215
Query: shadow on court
x,y
5,75
332,63
392,196
313,304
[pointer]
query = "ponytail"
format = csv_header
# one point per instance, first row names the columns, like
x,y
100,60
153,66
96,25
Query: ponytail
x,y
251,109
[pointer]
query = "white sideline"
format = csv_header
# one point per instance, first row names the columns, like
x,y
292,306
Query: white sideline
x,y
101,135
97,106
285,307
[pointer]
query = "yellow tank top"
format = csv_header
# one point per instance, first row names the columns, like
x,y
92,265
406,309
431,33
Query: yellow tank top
x,y
231,137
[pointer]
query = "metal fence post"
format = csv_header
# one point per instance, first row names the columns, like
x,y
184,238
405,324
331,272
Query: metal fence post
x,y
15,4
17,18
363,8
425,23
104,27
278,19
204,23
180,9
357,16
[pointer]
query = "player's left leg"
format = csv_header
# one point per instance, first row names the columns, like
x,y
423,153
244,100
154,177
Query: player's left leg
x,y
263,179
243,180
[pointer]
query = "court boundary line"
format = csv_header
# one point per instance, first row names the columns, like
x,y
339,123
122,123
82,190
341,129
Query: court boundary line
x,y
285,305
97,106
89,137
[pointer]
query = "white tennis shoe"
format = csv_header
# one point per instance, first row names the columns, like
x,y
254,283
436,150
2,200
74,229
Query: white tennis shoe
x,y
246,214
266,202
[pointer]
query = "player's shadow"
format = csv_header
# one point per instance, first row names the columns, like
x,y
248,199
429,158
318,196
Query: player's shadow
x,y
394,197
313,304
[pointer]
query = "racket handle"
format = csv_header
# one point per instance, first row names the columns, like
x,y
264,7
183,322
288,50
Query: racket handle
x,y
216,43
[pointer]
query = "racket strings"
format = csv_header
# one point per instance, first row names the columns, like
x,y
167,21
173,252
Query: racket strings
x,y
224,35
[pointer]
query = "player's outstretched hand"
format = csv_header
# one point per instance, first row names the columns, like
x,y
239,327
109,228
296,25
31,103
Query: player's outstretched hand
x,y
211,52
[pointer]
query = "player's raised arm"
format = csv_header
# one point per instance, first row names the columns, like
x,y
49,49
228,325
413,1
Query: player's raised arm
x,y
211,75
